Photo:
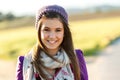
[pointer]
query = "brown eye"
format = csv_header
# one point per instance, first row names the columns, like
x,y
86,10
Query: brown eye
x,y
58,30
46,29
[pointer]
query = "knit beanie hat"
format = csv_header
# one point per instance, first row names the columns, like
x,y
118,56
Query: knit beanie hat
x,y
54,8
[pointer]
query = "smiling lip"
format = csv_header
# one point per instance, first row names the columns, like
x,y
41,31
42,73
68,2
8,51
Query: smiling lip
x,y
52,42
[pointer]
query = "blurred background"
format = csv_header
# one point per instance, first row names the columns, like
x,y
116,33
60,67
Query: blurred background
x,y
94,25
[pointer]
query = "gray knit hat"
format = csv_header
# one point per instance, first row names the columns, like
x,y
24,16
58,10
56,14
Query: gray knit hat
x,y
54,8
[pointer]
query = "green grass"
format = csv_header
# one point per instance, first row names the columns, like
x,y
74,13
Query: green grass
x,y
18,41
88,35
93,35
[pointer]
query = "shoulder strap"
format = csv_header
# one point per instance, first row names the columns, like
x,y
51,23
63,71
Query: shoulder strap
x,y
19,67
82,63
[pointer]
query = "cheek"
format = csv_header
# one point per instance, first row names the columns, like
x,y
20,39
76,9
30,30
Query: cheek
x,y
61,36
43,36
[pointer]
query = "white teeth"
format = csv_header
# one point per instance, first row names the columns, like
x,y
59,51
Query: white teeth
x,y
52,42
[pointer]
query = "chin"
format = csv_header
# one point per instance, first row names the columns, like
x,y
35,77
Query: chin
x,y
53,48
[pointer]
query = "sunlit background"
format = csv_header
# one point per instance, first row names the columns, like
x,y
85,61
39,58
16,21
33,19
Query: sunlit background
x,y
94,24
19,7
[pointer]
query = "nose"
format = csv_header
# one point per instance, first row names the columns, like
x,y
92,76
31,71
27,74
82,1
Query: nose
x,y
52,35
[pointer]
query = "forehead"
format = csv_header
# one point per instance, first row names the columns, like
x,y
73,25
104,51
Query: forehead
x,y
52,23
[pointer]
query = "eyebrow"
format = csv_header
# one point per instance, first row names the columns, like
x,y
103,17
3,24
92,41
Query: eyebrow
x,y
56,28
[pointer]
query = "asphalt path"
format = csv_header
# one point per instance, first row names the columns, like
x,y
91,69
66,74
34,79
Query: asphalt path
x,y
106,66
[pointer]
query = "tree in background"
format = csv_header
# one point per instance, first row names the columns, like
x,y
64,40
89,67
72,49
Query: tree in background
x,y
9,16
1,16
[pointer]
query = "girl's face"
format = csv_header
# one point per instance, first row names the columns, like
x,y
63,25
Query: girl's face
x,y
52,33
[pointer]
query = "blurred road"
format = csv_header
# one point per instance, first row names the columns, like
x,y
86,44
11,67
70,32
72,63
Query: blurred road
x,y
106,66
7,70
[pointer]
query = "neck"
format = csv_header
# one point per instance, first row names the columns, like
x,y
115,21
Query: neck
x,y
53,52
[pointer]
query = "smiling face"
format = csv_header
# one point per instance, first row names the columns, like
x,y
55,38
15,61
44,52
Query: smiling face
x,y
52,33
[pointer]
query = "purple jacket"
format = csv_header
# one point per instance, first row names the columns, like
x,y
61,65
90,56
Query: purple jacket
x,y
82,63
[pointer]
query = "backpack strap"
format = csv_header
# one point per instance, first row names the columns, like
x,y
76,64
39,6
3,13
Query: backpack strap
x,y
19,71
82,63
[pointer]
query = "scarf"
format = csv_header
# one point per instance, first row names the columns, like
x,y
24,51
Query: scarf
x,y
65,72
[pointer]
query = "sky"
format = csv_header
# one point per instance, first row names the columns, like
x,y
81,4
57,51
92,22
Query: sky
x,y
20,7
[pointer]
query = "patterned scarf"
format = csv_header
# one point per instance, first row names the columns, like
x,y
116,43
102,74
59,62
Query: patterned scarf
x,y
65,72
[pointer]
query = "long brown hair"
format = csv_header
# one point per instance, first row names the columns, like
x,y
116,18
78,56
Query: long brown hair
x,y
67,45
